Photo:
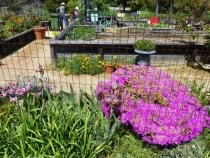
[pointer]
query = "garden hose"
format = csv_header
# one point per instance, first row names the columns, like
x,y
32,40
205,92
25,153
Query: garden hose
x,y
104,23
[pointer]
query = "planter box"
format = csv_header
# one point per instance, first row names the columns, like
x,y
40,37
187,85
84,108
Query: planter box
x,y
10,45
162,30
60,47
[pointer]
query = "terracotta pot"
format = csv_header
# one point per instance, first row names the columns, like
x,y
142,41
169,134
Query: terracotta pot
x,y
109,69
39,32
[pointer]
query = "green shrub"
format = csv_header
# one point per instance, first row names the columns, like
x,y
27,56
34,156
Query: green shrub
x,y
81,32
161,25
199,92
107,13
144,45
144,15
131,147
197,148
81,64
206,136
206,17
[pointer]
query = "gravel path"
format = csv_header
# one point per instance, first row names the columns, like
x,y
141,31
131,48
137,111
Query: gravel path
x,y
26,60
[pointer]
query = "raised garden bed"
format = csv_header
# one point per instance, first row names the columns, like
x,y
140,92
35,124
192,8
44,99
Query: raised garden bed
x,y
10,45
120,46
162,30
122,23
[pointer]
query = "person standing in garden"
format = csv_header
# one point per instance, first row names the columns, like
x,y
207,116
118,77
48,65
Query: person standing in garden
x,y
75,13
63,19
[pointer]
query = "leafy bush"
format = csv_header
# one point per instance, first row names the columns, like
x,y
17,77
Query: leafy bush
x,y
130,146
144,15
62,126
16,22
81,64
157,107
197,148
144,45
161,25
81,32
206,16
199,92
206,136
107,13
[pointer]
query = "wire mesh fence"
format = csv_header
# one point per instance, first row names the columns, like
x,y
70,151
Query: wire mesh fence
x,y
109,39
151,73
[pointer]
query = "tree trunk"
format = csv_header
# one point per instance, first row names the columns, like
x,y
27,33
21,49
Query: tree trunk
x,y
170,11
157,8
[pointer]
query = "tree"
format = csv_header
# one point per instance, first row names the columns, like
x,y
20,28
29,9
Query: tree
x,y
52,4
102,5
164,6
141,4
195,8
71,4
123,3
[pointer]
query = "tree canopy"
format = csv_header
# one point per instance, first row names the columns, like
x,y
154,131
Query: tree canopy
x,y
195,8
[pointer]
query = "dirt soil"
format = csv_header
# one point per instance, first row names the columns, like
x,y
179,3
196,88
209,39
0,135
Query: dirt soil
x,y
26,60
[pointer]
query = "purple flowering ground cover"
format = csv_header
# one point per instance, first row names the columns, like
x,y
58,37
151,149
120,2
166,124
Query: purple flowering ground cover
x,y
157,107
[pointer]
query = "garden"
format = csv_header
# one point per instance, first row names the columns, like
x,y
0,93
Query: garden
x,y
138,110
141,111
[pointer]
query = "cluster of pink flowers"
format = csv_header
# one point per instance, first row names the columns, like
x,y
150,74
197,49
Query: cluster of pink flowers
x,y
156,106
15,91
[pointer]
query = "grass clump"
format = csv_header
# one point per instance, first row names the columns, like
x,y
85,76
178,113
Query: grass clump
x,y
60,126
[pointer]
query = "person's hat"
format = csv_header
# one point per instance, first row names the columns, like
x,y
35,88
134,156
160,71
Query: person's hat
x,y
76,8
63,3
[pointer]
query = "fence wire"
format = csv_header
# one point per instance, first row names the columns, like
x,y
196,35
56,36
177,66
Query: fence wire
x,y
180,53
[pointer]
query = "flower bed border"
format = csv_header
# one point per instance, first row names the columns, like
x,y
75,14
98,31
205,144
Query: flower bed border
x,y
10,45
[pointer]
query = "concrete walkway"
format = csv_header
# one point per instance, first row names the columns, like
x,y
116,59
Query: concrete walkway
x,y
26,60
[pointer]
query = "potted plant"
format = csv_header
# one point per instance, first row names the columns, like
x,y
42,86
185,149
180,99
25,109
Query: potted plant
x,y
110,65
45,18
43,24
39,31
144,48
